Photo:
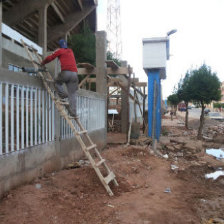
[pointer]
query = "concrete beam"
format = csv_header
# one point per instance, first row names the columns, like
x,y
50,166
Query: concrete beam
x,y
54,6
101,77
21,10
42,31
124,104
71,22
80,4
0,34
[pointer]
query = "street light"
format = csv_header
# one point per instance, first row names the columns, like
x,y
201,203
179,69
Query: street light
x,y
171,32
168,41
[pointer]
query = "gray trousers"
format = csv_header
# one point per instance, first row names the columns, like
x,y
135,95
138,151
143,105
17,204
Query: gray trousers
x,y
71,81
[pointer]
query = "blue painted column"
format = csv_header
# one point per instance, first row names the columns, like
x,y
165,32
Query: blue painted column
x,y
154,76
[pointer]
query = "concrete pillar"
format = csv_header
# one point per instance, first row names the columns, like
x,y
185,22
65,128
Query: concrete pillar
x,y
67,35
42,32
124,106
101,75
0,34
101,72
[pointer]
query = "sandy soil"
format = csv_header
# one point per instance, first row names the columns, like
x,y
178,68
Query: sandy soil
x,y
76,195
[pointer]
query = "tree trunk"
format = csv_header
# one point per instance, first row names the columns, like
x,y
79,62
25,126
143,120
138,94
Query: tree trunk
x,y
186,116
201,121
175,110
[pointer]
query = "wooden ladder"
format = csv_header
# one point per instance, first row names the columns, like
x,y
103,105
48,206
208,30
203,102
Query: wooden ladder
x,y
61,106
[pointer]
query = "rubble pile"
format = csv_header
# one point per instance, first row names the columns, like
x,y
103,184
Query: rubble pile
x,y
180,146
215,132
142,141
178,131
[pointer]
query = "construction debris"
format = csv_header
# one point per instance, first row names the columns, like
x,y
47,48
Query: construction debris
x,y
142,141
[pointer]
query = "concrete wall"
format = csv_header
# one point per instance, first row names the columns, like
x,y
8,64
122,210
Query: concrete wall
x,y
10,58
23,166
14,53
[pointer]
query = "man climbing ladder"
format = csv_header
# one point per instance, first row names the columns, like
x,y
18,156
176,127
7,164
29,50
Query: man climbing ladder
x,y
89,148
68,75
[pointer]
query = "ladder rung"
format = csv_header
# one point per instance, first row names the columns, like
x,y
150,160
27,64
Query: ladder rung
x,y
100,162
91,147
62,102
109,178
48,80
82,132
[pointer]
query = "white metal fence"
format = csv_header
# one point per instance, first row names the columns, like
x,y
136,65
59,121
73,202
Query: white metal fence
x,y
92,115
26,117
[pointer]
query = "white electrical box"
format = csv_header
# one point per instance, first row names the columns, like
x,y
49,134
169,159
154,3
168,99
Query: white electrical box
x,y
155,52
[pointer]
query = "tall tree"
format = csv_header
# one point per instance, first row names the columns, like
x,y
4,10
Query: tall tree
x,y
84,45
205,87
173,100
184,94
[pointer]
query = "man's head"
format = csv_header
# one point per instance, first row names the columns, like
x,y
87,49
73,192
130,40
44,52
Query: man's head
x,y
63,43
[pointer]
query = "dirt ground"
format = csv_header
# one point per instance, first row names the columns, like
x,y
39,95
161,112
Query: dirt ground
x,y
149,191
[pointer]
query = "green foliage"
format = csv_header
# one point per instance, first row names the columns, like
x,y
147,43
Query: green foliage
x,y
218,105
184,89
204,85
84,46
173,99
111,57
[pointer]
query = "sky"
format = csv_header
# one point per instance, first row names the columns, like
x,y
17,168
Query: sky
x,y
199,38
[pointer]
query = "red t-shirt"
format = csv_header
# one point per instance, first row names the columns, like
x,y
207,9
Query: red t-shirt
x,y
66,58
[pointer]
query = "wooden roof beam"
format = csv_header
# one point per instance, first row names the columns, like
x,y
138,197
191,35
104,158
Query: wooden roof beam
x,y
134,80
71,22
21,10
84,71
137,90
119,71
56,9
141,84
88,66
112,64
91,80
